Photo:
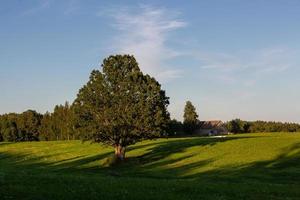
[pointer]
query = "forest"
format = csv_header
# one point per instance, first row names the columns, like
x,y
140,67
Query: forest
x,y
61,124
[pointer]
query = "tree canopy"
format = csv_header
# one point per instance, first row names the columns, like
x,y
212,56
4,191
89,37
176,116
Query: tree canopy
x,y
120,106
20,127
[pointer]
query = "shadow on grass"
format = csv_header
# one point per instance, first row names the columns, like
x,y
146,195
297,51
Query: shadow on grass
x,y
156,151
152,163
149,175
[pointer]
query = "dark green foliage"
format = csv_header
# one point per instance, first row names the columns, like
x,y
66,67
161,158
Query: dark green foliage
x,y
33,126
58,125
62,122
20,127
235,126
46,128
190,118
240,126
8,127
120,106
175,128
28,125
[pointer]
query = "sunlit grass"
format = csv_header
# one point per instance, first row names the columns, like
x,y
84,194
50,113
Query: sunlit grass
x,y
251,166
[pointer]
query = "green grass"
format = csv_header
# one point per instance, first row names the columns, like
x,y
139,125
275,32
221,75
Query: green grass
x,y
250,166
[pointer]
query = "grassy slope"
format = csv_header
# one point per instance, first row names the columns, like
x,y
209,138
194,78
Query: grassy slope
x,y
252,166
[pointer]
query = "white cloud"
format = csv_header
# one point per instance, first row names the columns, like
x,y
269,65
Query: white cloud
x,y
145,35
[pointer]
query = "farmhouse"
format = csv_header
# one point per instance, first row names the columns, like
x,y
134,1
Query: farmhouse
x,y
209,128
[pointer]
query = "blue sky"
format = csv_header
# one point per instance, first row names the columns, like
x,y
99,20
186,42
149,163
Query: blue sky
x,y
231,58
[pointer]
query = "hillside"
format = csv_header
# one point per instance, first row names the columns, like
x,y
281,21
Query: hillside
x,y
249,166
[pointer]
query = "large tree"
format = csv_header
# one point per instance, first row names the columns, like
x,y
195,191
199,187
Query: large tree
x,y
120,106
190,117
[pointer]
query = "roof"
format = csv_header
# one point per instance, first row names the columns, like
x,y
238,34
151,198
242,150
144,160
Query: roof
x,y
211,124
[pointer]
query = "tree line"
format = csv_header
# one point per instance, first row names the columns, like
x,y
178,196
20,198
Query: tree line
x,y
62,124
33,126
191,123
240,126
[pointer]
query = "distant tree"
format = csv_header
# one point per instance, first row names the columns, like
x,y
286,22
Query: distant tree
x,y
246,127
61,120
20,127
10,132
46,128
190,117
28,125
235,126
240,126
1,128
175,128
120,106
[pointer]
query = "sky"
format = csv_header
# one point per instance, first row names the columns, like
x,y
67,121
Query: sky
x,y
231,58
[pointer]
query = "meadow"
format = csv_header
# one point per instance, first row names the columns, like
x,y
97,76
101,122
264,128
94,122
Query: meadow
x,y
247,166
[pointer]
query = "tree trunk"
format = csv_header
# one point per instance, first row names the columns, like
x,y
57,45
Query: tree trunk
x,y
120,152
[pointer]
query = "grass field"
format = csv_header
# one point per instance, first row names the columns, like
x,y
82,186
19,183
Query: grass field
x,y
250,166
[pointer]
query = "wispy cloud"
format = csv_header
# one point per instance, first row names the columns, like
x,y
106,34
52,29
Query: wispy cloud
x,y
252,64
41,5
264,60
145,34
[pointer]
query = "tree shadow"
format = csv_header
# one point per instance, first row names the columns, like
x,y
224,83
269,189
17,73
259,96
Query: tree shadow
x,y
164,149
154,152
155,162
39,164
274,178
284,169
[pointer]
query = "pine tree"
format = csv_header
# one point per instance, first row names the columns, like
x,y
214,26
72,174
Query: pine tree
x,y
190,117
